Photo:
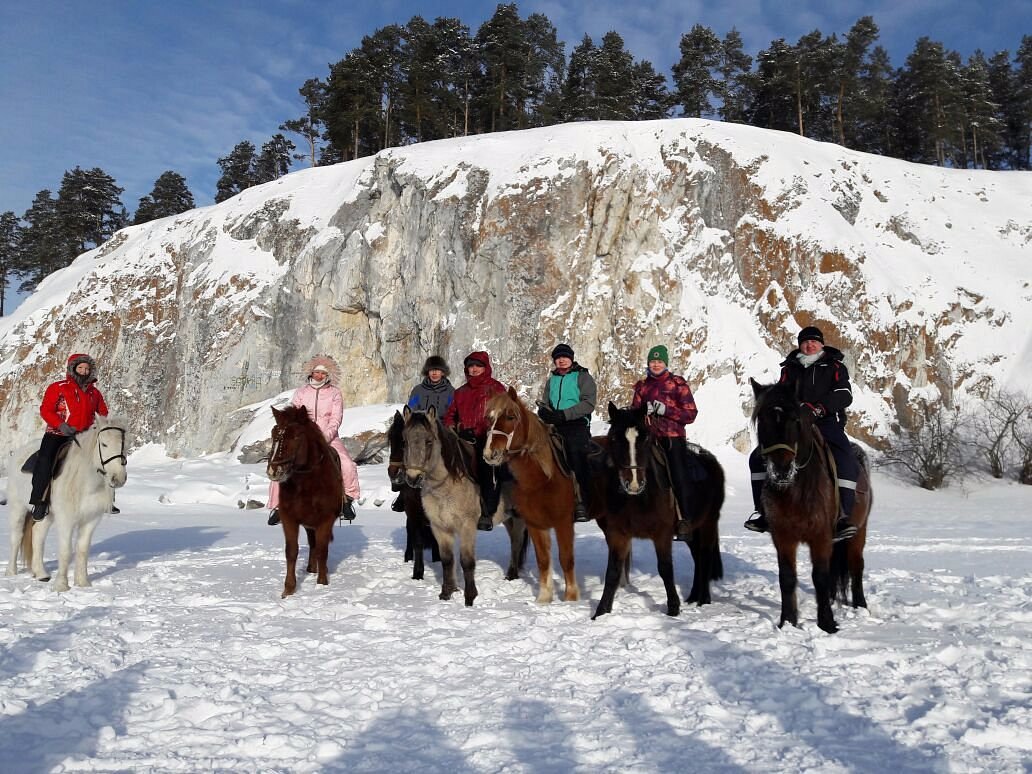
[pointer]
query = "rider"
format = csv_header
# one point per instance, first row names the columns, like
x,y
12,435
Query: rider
x,y
435,391
468,416
822,384
670,407
325,405
567,400
69,407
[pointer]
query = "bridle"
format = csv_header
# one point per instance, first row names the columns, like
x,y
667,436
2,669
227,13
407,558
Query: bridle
x,y
509,451
792,449
100,452
277,440
633,469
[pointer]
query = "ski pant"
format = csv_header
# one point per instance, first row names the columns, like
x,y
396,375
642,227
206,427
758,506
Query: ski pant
x,y
41,474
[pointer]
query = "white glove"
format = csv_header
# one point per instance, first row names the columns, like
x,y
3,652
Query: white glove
x,y
657,407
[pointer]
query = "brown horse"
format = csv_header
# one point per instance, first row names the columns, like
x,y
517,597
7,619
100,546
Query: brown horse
x,y
800,498
541,494
311,492
418,535
635,504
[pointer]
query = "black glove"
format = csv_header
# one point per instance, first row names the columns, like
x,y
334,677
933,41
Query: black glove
x,y
550,415
467,435
817,409
66,429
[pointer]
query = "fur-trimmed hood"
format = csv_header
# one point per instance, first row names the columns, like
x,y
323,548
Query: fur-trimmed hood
x,y
326,362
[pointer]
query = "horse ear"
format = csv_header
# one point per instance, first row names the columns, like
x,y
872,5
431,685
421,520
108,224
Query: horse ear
x,y
612,410
405,413
431,413
757,388
277,415
512,393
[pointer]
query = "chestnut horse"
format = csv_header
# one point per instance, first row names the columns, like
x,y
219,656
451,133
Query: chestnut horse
x,y
541,494
635,504
418,535
311,492
800,498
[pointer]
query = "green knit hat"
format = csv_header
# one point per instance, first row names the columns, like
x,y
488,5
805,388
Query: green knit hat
x,y
658,352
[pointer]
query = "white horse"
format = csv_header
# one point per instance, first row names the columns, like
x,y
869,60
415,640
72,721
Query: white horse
x,y
82,493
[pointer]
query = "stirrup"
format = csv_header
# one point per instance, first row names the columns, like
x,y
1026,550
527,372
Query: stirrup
x,y
273,517
843,531
347,513
757,523
39,511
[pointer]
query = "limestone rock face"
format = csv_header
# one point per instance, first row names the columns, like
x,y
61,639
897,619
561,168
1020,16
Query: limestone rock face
x,y
718,240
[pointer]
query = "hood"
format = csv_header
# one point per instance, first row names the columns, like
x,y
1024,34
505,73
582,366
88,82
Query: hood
x,y
326,362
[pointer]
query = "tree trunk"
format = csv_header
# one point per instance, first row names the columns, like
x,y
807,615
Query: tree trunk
x,y
841,125
799,100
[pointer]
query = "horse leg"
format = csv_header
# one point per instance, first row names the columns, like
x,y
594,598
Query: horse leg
x,y
619,550
468,559
787,581
665,565
290,531
517,530
64,556
564,537
702,546
855,559
313,558
39,537
18,526
543,552
410,527
321,549
446,541
820,557
414,545
82,550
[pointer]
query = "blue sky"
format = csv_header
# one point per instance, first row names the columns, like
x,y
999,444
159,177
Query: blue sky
x,y
137,88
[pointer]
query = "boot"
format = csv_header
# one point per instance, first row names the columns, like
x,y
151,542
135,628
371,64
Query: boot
x,y
273,517
397,506
39,511
683,531
580,513
843,529
347,513
115,509
757,522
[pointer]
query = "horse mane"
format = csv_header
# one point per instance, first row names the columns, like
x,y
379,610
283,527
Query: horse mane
x,y
538,442
395,434
298,415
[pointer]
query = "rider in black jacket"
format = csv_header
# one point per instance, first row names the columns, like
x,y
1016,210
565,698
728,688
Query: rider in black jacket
x,y
823,384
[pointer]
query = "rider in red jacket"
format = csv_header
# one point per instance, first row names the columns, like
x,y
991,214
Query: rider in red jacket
x,y
69,407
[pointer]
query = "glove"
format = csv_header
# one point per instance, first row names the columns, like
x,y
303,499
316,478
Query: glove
x,y
467,435
816,408
657,407
66,429
550,415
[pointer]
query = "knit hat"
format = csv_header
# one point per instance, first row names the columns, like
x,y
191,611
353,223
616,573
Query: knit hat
x,y
435,361
562,350
658,352
810,333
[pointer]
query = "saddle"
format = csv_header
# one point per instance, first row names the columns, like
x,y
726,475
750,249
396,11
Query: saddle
x,y
29,465
560,452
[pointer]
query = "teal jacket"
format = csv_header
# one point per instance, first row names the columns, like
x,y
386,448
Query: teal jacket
x,y
573,393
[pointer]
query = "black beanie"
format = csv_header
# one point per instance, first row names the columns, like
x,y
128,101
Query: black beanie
x,y
562,350
810,333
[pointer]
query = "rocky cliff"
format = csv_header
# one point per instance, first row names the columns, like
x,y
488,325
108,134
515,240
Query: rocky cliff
x,y
718,240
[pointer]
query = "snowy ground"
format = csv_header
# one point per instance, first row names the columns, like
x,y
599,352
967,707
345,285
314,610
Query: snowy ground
x,y
182,656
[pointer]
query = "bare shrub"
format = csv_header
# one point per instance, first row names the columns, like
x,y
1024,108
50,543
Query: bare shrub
x,y
935,452
1022,435
995,426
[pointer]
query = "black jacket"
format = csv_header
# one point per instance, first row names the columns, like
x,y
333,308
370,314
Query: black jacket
x,y
825,383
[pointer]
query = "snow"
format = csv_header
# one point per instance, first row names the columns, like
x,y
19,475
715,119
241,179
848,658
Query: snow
x,y
183,657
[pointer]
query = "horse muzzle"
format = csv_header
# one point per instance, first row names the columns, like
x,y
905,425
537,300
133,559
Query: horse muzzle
x,y
781,478
494,457
414,480
633,488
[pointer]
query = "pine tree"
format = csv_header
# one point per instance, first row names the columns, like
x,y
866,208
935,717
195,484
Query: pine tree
x,y
578,94
1023,104
614,79
873,125
737,88
310,125
382,58
982,130
274,160
237,171
10,246
927,97
848,64
352,109
44,244
775,94
458,57
89,207
170,196
693,72
649,96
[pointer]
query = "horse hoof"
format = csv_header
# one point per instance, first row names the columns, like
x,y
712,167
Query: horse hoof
x,y
673,610
445,595
45,579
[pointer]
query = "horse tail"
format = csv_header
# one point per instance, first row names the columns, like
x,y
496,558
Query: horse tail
x,y
840,571
26,541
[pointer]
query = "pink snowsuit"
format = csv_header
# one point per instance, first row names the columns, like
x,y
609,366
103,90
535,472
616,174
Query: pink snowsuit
x,y
326,406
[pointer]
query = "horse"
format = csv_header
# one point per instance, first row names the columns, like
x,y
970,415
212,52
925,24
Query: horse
x,y
439,464
541,494
800,498
418,534
82,491
626,506
311,493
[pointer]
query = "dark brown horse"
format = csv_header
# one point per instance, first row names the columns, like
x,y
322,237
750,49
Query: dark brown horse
x,y
418,535
800,498
311,492
541,494
633,499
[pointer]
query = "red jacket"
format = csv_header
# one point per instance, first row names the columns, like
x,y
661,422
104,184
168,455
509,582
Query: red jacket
x,y
66,401
674,393
468,407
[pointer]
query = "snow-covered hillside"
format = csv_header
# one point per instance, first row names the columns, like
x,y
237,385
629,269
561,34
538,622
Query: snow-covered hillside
x,y
718,240
182,656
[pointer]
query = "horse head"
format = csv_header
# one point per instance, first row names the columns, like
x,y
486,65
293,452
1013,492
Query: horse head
x,y
509,427
111,451
289,445
784,432
421,445
629,447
